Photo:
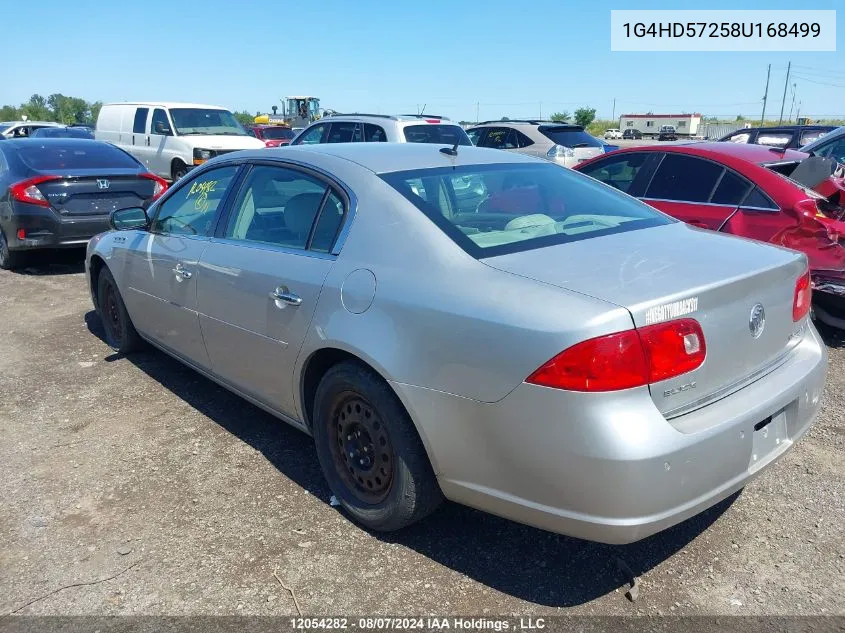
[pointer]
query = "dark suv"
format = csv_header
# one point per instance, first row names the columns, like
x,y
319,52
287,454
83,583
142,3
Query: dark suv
x,y
782,136
632,134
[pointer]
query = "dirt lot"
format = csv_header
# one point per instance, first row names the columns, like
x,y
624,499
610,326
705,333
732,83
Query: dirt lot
x,y
164,494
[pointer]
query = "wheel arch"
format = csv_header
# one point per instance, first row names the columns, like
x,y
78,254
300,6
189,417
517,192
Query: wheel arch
x,y
320,361
95,266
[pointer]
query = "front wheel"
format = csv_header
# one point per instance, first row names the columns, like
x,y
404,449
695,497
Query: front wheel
x,y
120,332
369,450
178,170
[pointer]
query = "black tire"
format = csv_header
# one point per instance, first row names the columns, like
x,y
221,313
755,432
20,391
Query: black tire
x,y
9,260
178,170
119,330
359,421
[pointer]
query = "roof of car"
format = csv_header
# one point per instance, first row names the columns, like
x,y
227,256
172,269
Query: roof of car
x,y
528,122
785,128
392,117
166,104
383,158
740,151
19,143
52,123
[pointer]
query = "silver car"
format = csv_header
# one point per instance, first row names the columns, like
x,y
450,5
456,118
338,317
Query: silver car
x,y
475,325
383,128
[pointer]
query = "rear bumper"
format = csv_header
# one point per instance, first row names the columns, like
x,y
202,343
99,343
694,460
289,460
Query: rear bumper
x,y
610,467
43,228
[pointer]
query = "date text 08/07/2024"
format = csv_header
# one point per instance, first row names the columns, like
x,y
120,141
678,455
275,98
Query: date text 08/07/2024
x,y
427,623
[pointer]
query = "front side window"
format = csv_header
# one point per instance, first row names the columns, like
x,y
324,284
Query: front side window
x,y
160,124
834,149
495,209
279,206
140,122
618,171
475,135
684,179
312,135
191,209
205,121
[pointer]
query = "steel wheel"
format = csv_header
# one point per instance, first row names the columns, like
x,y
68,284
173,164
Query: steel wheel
x,y
363,453
111,313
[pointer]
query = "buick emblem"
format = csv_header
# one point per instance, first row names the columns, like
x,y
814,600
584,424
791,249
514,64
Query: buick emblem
x,y
757,320
102,183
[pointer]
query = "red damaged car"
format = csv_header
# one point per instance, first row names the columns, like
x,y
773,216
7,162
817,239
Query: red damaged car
x,y
784,197
272,135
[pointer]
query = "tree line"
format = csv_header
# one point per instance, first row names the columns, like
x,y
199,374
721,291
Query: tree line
x,y
56,107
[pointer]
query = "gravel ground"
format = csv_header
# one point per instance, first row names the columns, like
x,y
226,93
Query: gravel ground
x,y
153,491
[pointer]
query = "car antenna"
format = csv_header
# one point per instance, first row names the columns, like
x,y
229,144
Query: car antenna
x,y
450,151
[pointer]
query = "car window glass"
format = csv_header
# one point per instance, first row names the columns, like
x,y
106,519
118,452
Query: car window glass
x,y
313,135
808,136
731,189
494,209
522,140
740,138
344,132
328,225
684,178
160,124
436,133
374,133
618,172
834,150
191,209
139,125
475,134
774,139
500,138
276,206
759,200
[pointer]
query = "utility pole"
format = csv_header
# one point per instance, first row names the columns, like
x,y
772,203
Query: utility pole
x,y
792,105
798,112
785,85
613,116
766,95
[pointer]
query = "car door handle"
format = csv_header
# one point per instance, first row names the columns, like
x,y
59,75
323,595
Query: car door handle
x,y
181,273
285,296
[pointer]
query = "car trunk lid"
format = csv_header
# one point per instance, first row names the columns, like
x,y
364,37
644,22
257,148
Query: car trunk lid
x,y
674,271
98,192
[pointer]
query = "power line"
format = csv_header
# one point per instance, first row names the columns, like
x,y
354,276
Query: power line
x,y
821,83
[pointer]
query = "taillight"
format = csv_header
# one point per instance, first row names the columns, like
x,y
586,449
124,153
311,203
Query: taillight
x,y
159,187
803,297
623,360
27,191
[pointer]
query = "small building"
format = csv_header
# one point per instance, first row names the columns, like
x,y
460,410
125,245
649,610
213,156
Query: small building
x,y
685,124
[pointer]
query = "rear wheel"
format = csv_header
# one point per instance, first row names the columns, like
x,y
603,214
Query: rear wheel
x,y
120,332
370,452
178,170
9,260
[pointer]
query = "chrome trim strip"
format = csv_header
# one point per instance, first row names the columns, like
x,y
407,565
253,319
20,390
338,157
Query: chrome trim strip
x,y
713,204
734,386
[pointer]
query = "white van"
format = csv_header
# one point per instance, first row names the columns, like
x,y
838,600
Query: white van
x,y
171,138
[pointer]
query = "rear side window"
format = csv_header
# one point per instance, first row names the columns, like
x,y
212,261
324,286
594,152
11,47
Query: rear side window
x,y
759,200
731,189
501,138
140,123
504,208
77,154
191,208
684,178
742,137
774,139
374,133
569,136
436,133
344,132
808,136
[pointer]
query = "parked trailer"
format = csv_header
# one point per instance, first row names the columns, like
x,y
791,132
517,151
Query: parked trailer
x,y
686,125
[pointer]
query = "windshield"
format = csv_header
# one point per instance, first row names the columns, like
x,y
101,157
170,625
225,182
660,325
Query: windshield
x,y
569,136
277,132
496,209
57,155
433,133
205,121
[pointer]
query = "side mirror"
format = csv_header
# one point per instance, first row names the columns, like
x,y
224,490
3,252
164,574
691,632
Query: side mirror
x,y
129,219
161,128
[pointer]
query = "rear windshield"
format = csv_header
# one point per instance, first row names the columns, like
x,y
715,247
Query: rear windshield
x,y
569,136
277,133
62,132
56,156
496,209
436,133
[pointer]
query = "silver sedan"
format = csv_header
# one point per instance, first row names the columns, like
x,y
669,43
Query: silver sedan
x,y
476,325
